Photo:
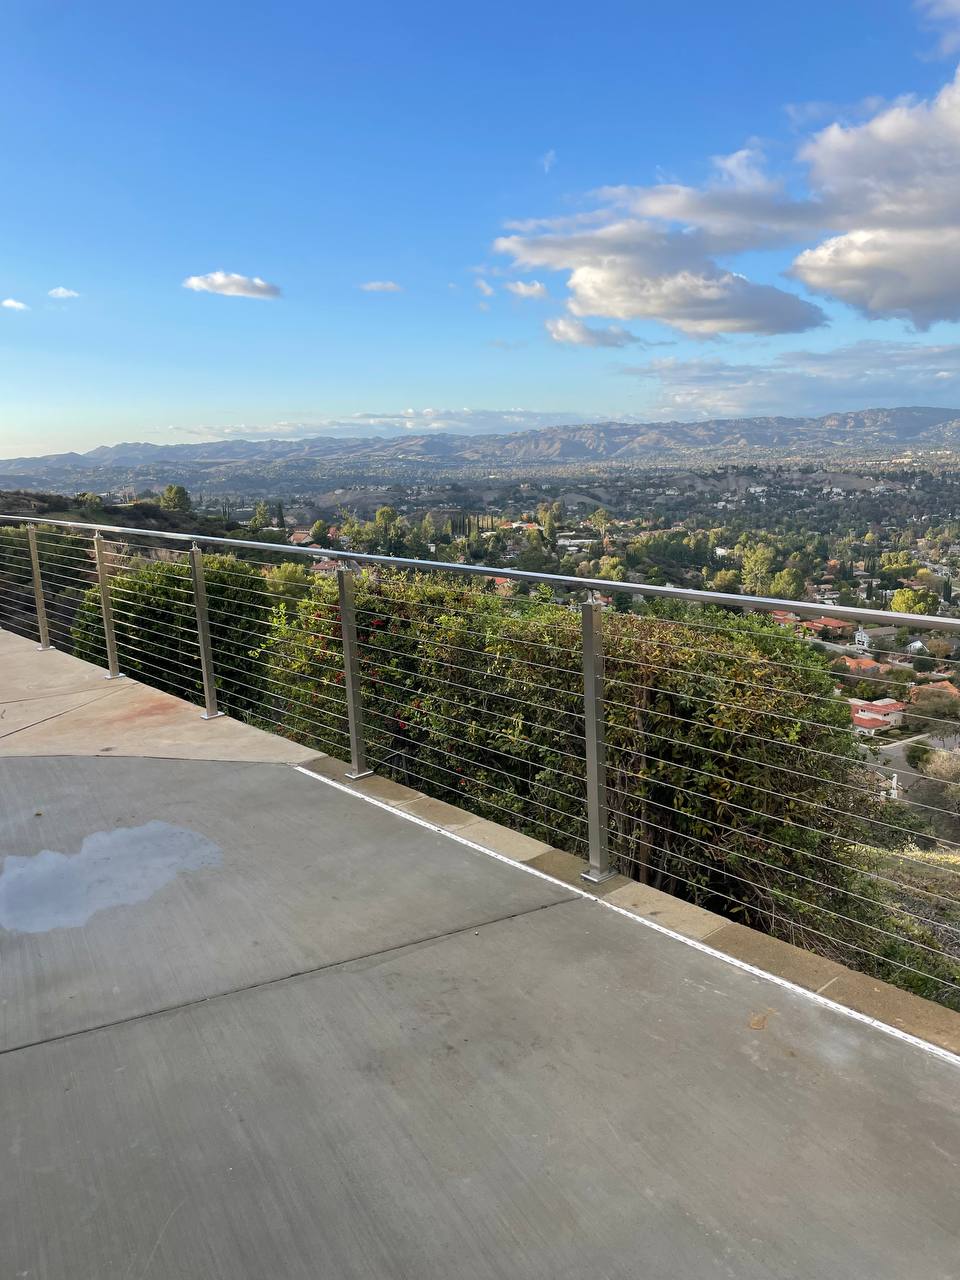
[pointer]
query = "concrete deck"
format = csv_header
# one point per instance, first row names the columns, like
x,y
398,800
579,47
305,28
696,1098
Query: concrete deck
x,y
254,1026
53,704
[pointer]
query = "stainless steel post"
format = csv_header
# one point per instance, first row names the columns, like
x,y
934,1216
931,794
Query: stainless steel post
x,y
592,628
351,674
38,589
113,665
211,711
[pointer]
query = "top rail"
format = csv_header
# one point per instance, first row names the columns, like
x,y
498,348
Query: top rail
x,y
686,595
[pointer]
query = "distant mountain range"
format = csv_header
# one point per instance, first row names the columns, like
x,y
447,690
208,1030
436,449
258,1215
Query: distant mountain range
x,y
231,464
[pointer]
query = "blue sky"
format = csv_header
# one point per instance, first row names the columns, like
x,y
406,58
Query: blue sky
x,y
585,215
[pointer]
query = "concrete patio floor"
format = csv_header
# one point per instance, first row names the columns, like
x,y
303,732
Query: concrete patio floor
x,y
254,1026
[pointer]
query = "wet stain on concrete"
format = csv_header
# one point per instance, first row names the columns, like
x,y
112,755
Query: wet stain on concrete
x,y
53,890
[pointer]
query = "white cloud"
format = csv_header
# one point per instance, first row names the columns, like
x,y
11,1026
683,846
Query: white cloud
x,y
232,285
892,185
548,160
574,332
528,289
901,165
381,286
807,382
485,289
61,292
912,274
632,269
878,228
12,304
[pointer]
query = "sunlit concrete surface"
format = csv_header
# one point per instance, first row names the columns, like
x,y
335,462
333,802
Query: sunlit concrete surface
x,y
253,1026
53,704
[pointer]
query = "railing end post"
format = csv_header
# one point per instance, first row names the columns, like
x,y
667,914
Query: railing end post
x,y
346,585
42,626
106,610
591,617
211,709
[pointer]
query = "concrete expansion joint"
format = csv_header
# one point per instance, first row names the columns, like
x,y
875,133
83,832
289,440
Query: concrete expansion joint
x,y
295,975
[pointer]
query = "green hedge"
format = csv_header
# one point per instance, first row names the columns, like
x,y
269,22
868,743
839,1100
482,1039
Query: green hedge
x,y
154,620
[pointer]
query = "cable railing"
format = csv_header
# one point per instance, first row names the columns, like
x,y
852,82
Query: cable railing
x,y
688,742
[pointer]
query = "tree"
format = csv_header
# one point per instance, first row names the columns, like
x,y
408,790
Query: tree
x,y
90,503
939,647
787,585
944,766
936,706
914,600
550,527
320,534
600,521
726,581
281,518
175,498
755,569
534,557
260,518
611,567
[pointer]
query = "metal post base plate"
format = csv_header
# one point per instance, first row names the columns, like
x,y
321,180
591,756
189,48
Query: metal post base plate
x,y
205,715
592,877
118,676
355,777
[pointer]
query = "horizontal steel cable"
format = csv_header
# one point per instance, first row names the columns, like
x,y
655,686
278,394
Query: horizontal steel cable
x,y
483,767
801,927
781,869
811,906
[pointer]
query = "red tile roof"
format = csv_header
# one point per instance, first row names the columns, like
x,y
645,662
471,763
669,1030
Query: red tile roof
x,y
867,721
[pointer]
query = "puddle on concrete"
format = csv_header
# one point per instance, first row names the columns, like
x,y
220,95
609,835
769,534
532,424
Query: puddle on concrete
x,y
113,868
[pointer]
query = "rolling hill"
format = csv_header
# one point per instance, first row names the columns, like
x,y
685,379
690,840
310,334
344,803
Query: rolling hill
x,y
241,463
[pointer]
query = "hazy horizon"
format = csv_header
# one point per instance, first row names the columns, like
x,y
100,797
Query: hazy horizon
x,y
345,433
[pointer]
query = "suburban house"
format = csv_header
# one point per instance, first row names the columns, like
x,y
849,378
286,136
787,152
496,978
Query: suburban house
x,y
873,634
324,566
864,666
870,718
829,628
